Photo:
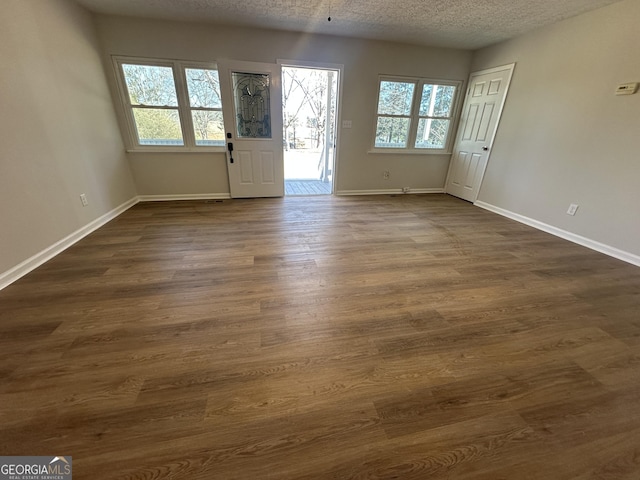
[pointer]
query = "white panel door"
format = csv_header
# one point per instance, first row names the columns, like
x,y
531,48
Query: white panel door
x,y
480,117
252,108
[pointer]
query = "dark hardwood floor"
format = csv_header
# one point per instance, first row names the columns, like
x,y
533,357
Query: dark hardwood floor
x,y
408,337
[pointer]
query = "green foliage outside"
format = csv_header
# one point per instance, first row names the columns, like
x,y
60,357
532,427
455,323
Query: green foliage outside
x,y
158,127
154,86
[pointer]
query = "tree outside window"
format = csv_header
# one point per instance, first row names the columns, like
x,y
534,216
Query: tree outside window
x,y
153,98
206,105
414,114
394,114
160,116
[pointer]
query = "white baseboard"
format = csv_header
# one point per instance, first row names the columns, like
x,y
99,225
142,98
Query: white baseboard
x,y
391,191
188,196
572,237
20,270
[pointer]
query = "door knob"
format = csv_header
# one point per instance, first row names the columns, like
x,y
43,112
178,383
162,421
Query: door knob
x,y
230,148
485,148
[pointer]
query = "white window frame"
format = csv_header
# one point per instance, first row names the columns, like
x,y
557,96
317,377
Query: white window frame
x,y
415,116
184,106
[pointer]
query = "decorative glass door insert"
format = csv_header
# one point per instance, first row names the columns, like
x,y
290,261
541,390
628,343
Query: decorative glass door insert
x,y
252,102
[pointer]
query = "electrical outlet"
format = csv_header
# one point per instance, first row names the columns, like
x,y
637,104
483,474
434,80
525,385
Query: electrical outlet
x,y
83,199
573,208
406,189
386,175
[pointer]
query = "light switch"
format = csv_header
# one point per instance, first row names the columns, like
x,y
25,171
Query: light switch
x,y
346,124
627,89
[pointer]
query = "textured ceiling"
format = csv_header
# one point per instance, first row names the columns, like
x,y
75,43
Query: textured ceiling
x,y
468,24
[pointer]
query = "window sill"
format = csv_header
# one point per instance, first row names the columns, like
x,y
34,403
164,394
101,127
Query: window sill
x,y
406,151
177,150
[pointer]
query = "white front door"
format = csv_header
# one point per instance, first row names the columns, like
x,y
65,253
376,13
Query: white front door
x,y
480,117
252,108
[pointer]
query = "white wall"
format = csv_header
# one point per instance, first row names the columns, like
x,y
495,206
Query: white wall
x,y
156,174
564,137
58,133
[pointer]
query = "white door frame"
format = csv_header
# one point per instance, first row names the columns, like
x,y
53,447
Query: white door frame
x,y
325,66
511,67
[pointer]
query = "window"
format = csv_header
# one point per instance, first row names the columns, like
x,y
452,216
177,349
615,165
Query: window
x,y
394,114
171,105
154,104
206,106
415,114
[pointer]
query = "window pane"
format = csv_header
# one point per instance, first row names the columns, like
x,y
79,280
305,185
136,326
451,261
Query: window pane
x,y
157,126
208,127
150,85
204,88
392,132
395,98
436,100
432,133
253,110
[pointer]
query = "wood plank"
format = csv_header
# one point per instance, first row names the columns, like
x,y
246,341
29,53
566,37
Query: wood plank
x,y
409,336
